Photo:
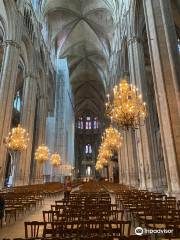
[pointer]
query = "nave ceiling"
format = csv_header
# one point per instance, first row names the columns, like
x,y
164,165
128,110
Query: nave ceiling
x,y
82,30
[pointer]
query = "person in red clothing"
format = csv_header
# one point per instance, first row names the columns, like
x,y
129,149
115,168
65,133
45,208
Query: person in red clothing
x,y
67,187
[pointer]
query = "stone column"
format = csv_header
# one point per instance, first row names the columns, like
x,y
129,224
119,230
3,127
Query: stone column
x,y
27,121
141,164
132,160
41,133
126,159
120,167
123,160
42,119
164,60
142,139
7,90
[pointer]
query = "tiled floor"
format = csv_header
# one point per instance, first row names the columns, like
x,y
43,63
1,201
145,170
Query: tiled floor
x,y
16,229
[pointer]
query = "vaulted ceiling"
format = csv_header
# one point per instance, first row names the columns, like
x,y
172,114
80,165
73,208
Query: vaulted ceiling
x,y
81,30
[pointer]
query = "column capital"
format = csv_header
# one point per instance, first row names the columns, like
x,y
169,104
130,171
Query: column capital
x,y
8,42
134,39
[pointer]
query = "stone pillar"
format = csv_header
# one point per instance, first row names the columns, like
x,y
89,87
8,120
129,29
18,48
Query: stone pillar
x,y
41,133
123,160
120,167
7,91
126,159
42,109
143,74
164,61
133,176
27,121
137,69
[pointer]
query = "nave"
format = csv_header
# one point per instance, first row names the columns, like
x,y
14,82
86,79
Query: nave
x,y
97,211
90,101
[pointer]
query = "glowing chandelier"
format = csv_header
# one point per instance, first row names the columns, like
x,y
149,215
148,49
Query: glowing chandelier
x,y
55,159
17,139
112,138
16,142
104,155
127,109
42,153
111,141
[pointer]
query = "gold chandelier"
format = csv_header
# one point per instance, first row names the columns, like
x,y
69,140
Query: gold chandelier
x,y
17,139
103,157
42,153
112,138
55,159
127,109
111,141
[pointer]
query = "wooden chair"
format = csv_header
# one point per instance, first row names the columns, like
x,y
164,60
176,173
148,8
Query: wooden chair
x,y
10,212
50,216
34,229
120,228
57,229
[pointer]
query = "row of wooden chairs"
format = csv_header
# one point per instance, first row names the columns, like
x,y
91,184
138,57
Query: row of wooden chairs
x,y
149,210
79,214
77,229
19,200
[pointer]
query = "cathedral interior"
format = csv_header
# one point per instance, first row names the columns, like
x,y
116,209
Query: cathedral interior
x,y
89,119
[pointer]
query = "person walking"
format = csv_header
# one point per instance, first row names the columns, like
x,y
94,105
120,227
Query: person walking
x,y
67,187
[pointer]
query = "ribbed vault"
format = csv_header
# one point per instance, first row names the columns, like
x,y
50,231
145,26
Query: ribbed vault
x,y
81,30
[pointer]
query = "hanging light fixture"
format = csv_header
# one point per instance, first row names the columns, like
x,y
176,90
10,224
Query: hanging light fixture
x,y
55,159
111,141
17,139
16,142
42,153
127,109
112,138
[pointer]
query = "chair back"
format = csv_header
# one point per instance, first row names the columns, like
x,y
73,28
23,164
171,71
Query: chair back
x,y
34,229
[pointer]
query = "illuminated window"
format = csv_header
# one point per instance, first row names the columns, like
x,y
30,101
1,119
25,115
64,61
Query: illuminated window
x,y
17,102
95,123
88,149
88,123
80,123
